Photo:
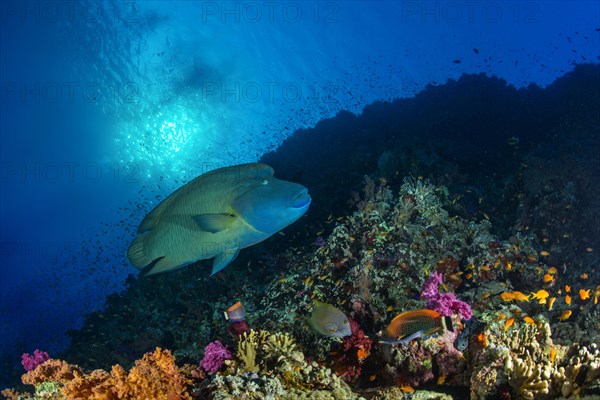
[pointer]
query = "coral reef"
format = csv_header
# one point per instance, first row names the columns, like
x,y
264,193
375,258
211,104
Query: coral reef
x,y
271,365
401,249
215,355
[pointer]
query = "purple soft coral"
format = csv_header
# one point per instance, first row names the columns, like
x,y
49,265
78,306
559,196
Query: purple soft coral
x,y
215,355
30,362
444,303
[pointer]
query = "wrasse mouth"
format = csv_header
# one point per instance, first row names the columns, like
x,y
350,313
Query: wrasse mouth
x,y
301,199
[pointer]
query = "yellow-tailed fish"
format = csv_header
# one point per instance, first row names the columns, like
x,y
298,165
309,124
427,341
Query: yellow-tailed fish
x,y
529,320
216,215
568,300
552,270
551,303
329,321
547,278
411,325
567,288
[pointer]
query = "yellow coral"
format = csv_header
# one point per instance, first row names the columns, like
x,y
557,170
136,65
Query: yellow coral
x,y
247,346
528,380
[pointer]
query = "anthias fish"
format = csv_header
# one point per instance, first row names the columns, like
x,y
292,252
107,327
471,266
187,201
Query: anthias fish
x,y
216,215
414,324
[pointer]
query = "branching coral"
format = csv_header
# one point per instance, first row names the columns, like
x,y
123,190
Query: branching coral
x,y
580,371
247,349
528,380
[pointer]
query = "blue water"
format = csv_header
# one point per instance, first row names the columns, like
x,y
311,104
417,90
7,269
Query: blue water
x,y
107,107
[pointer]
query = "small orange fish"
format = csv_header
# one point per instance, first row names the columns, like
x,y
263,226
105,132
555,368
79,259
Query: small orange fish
x,y
584,275
552,270
552,354
551,302
407,389
372,377
567,288
568,300
481,338
507,296
540,294
565,315
584,294
361,354
501,316
509,322
520,296
544,253
548,278
508,266
529,320
441,379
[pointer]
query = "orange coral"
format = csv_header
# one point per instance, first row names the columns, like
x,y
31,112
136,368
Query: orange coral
x,y
155,376
51,370
11,394
94,386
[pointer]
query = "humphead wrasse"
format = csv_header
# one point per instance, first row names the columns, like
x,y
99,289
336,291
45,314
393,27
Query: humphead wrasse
x,y
216,215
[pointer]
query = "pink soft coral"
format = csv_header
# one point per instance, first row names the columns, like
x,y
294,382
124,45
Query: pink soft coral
x,y
444,303
30,361
215,355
